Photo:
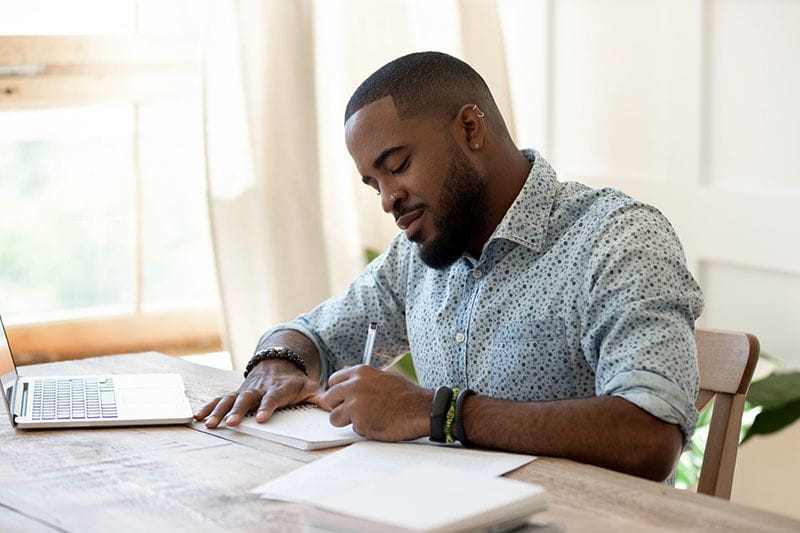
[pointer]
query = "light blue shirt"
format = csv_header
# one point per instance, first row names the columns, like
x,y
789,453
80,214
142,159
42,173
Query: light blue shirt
x,y
578,293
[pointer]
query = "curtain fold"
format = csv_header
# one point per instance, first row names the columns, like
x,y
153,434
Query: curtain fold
x,y
290,218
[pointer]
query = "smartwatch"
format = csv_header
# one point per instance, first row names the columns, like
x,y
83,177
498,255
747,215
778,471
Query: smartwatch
x,y
439,408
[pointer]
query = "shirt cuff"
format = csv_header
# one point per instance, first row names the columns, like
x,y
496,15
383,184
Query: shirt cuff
x,y
324,363
658,396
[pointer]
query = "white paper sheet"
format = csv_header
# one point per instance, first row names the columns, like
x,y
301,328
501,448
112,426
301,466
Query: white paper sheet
x,y
370,461
430,497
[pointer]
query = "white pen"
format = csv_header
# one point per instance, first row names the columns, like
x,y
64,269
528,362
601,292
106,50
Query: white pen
x,y
370,344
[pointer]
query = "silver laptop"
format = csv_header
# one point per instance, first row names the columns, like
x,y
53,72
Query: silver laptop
x,y
90,401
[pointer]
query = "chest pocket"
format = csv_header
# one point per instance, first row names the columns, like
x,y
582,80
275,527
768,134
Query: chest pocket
x,y
530,361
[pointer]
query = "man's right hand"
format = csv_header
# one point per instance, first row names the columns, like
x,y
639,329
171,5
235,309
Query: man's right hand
x,y
272,384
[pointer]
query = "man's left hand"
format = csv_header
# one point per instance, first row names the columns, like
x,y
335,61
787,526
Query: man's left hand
x,y
381,405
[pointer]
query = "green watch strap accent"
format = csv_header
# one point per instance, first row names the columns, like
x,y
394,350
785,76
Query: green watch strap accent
x,y
450,418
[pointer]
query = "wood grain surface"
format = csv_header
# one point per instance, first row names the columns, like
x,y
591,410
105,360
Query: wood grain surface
x,y
195,479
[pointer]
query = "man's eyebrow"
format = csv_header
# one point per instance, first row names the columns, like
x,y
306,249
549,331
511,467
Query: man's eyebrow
x,y
386,153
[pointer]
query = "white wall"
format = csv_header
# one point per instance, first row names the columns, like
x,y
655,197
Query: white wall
x,y
693,106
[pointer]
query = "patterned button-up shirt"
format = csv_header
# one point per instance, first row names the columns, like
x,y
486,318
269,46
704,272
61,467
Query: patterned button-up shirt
x,y
578,292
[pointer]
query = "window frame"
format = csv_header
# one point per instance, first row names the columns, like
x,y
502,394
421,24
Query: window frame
x,y
74,70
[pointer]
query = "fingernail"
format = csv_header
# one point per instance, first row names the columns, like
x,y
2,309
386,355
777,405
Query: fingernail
x,y
211,420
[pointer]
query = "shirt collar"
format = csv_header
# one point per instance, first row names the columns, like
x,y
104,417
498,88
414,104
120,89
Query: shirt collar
x,y
526,220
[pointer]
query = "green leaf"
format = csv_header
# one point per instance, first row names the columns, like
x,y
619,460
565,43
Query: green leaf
x,y
406,367
704,418
775,390
772,420
370,254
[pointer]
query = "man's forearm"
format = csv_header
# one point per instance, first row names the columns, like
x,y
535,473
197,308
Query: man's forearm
x,y
605,431
299,343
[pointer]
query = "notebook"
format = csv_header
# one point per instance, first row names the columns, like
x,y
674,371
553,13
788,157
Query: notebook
x,y
303,426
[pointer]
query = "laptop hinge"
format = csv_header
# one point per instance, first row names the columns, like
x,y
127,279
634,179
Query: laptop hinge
x,y
17,396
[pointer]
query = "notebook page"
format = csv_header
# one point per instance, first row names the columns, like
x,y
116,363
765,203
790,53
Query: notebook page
x,y
369,461
303,422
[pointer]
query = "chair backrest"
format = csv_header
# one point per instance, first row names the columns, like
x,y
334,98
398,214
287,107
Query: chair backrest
x,y
726,360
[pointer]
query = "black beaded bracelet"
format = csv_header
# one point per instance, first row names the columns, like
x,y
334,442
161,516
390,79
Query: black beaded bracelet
x,y
276,352
462,433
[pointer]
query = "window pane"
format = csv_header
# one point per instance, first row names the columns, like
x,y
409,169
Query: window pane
x,y
178,267
102,17
66,216
76,17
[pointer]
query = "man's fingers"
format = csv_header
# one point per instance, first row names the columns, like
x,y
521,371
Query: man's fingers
x,y
340,416
335,395
268,405
319,399
206,409
222,407
244,402
341,375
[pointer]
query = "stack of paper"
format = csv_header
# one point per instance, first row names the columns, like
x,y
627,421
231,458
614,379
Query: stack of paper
x,y
413,486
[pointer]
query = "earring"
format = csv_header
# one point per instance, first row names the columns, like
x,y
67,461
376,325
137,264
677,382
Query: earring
x,y
477,146
481,114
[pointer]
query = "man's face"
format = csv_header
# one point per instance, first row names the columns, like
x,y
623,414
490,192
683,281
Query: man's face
x,y
423,178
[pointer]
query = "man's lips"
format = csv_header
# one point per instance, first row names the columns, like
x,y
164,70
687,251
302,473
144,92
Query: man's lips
x,y
405,221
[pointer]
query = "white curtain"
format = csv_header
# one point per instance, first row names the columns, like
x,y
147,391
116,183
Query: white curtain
x,y
290,217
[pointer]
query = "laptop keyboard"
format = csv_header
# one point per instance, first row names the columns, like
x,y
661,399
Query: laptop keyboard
x,y
74,399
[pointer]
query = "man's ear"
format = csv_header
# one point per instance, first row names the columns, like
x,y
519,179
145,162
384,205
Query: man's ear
x,y
471,127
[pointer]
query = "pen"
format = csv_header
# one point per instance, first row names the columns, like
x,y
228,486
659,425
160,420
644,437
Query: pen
x,y
370,344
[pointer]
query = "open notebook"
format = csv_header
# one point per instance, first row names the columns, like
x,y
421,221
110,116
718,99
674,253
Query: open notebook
x,y
303,426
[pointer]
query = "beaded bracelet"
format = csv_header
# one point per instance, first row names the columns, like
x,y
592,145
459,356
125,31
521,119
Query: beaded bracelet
x,y
276,352
451,415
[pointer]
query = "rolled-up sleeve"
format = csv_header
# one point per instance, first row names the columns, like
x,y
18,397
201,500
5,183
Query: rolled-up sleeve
x,y
641,303
338,326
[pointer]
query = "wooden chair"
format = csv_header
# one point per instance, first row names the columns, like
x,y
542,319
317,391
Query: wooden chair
x,y
726,360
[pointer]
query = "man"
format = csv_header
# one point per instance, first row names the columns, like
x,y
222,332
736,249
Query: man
x,y
568,311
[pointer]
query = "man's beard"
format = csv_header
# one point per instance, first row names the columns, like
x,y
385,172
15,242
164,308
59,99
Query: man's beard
x,y
461,213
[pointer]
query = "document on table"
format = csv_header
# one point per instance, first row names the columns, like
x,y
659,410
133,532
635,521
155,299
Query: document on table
x,y
449,489
434,498
370,461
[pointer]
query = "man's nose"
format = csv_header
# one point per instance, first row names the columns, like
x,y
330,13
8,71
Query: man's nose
x,y
391,198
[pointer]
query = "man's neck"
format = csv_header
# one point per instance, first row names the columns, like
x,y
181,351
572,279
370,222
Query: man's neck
x,y
507,171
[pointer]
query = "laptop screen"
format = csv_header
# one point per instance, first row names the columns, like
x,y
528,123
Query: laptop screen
x,y
8,370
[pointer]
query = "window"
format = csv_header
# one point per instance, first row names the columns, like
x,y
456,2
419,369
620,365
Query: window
x,y
104,235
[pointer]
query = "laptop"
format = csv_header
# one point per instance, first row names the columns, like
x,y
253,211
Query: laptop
x,y
44,402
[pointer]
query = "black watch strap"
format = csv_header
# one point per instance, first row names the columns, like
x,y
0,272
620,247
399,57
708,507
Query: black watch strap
x,y
439,408
460,431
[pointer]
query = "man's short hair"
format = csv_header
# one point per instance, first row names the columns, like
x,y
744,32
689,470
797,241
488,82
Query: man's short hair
x,y
426,83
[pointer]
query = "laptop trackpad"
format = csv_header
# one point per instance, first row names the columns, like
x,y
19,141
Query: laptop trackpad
x,y
138,396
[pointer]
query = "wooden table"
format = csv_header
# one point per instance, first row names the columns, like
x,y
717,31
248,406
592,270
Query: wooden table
x,y
194,479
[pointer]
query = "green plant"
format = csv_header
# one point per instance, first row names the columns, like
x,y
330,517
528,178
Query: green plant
x,y
773,403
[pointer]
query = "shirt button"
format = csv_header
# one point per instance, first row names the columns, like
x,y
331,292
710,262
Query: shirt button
x,y
477,273
460,337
